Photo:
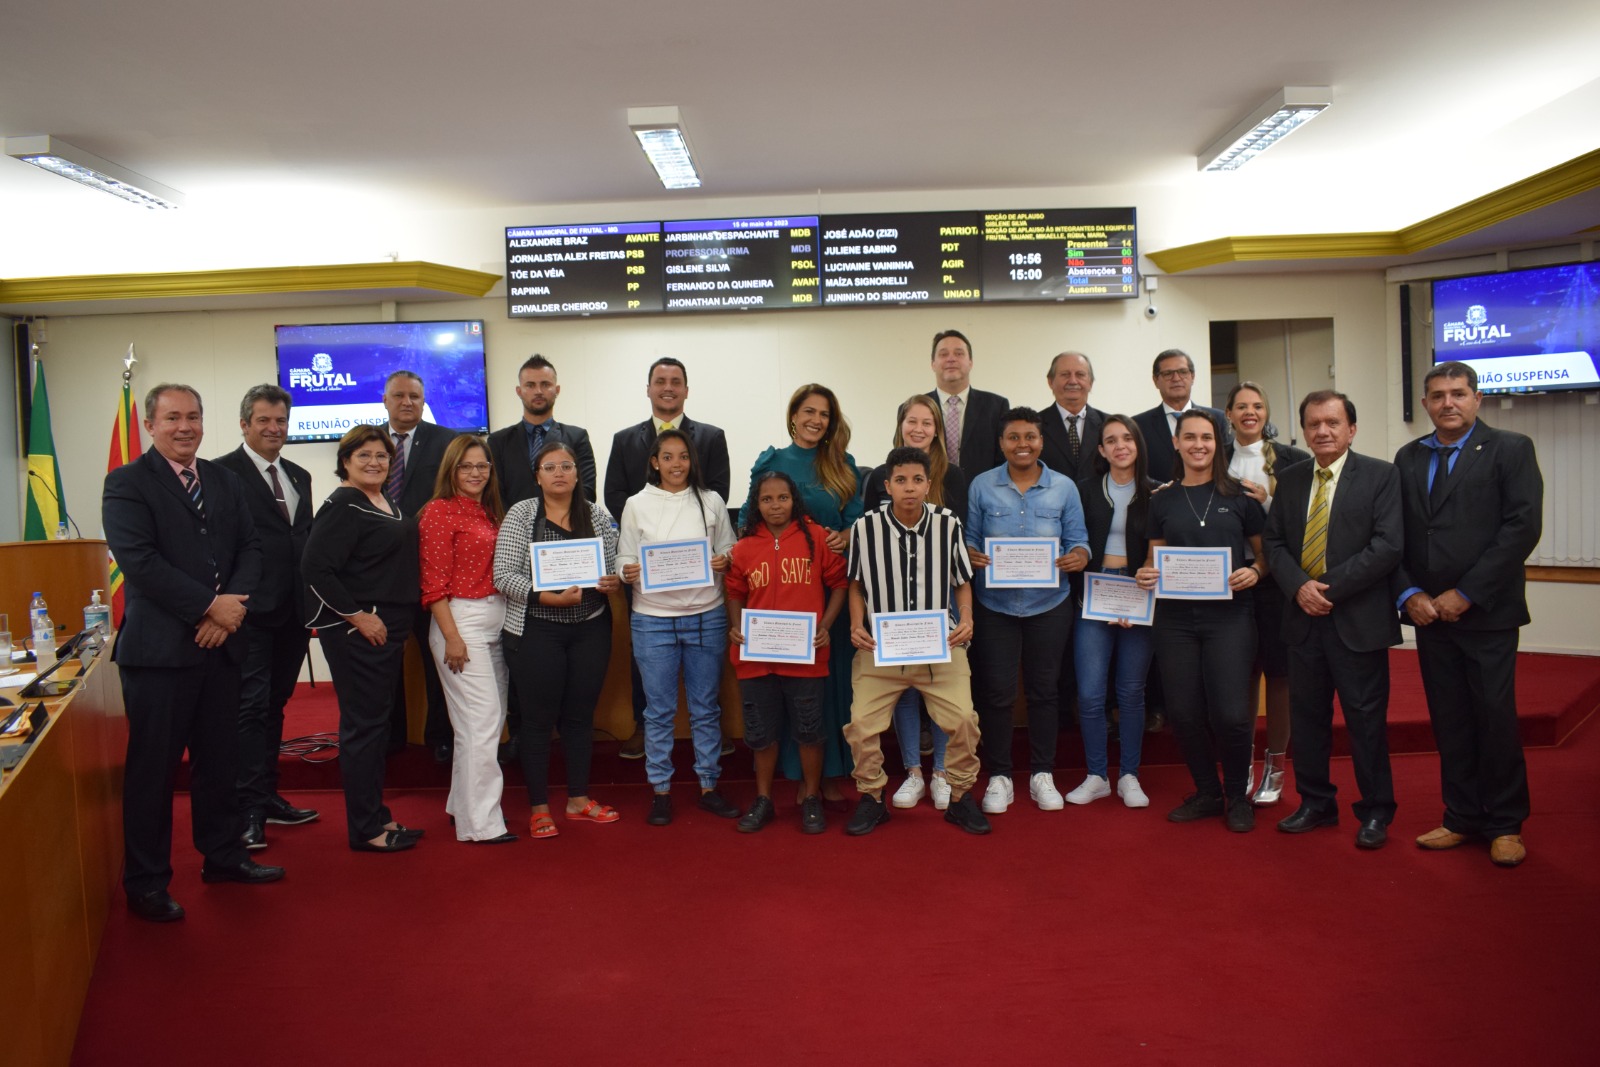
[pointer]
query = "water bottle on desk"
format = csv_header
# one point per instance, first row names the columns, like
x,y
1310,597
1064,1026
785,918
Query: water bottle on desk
x,y
44,633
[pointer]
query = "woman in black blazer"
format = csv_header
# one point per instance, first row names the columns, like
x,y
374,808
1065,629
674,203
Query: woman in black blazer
x,y
362,584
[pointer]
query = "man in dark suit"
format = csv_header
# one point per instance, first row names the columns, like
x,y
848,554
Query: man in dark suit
x,y
1473,500
1071,427
667,386
514,446
278,494
971,416
1173,374
190,556
419,448
1333,539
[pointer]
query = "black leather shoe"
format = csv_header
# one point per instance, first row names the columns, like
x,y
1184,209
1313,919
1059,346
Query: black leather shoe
x,y
812,820
443,752
660,810
1155,722
727,746
965,814
870,814
1195,806
1307,818
1241,815
507,753
255,834
406,831
1373,834
247,871
758,816
282,813
504,839
156,907
718,805
394,841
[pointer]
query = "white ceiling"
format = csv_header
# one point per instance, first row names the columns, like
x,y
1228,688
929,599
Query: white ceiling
x,y
517,109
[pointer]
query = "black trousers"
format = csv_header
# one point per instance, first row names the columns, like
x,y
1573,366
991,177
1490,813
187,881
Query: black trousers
x,y
170,709
364,676
1319,667
562,667
273,655
436,729
1000,643
1205,650
1470,678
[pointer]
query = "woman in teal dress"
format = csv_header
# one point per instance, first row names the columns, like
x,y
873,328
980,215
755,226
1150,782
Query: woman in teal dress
x,y
830,484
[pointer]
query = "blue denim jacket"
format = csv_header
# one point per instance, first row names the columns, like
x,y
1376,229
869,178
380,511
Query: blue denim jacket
x,y
1051,508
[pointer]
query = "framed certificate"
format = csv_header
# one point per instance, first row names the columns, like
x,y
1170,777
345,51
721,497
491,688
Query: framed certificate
x,y
910,637
1112,597
1194,573
778,636
667,565
1022,562
559,565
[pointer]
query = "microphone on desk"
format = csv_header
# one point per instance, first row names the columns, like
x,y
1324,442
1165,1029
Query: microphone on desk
x,y
62,507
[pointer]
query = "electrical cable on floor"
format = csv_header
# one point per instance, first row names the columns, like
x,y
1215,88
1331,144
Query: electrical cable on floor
x,y
308,748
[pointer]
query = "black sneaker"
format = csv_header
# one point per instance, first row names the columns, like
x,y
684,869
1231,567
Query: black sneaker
x,y
716,804
759,815
1241,815
812,821
660,810
965,814
1195,806
870,814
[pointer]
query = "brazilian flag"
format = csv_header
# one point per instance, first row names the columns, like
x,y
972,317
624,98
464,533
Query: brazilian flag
x,y
46,501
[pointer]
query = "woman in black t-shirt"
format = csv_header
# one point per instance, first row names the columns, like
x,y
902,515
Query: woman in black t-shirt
x,y
1205,648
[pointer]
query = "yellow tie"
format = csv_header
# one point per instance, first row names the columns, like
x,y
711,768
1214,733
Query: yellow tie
x,y
1313,557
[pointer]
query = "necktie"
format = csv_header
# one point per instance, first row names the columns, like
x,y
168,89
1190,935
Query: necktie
x,y
1313,556
535,442
952,428
1074,442
1441,476
191,485
397,470
277,492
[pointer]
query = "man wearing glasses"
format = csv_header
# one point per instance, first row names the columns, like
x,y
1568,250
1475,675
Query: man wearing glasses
x,y
1173,375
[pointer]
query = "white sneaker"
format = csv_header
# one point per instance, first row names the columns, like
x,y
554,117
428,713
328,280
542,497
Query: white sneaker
x,y
939,789
998,797
1093,788
1042,788
909,792
1128,789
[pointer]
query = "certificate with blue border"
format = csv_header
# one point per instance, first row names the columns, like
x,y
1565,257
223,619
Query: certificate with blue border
x,y
667,565
558,565
1193,573
1114,597
903,637
778,636
1022,562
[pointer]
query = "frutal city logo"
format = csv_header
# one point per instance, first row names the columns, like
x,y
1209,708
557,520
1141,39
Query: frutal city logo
x,y
1477,315
320,377
1475,329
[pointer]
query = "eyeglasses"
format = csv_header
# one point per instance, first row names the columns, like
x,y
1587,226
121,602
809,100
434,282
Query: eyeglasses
x,y
369,457
552,468
473,468
1174,375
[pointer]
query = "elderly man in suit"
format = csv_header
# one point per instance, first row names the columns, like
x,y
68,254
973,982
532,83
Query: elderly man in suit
x,y
191,559
278,494
971,416
1474,501
667,386
1071,427
1333,540
1173,375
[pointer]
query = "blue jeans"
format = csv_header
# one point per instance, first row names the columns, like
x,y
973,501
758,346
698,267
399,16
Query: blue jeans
x,y
1093,645
693,646
908,728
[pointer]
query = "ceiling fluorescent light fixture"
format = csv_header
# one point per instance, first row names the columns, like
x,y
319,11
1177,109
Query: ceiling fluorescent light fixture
x,y
58,157
1270,123
660,133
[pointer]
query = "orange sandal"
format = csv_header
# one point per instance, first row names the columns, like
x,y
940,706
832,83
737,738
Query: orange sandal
x,y
542,825
594,811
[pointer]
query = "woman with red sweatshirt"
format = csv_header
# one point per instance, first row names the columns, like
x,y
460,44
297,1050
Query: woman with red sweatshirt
x,y
782,562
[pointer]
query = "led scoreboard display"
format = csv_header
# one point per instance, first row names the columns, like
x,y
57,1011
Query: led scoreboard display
x,y
809,261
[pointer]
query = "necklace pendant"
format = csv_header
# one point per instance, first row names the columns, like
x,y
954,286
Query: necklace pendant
x,y
1202,522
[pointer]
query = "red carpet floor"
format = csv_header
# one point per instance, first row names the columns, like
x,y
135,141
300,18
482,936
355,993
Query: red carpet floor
x,y
1095,934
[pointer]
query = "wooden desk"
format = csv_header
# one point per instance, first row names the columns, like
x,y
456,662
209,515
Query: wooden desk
x,y
60,862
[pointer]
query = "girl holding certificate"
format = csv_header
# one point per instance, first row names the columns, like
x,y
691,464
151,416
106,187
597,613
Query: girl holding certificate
x,y
680,628
1205,638
557,642
1116,509
782,565
1257,459
456,534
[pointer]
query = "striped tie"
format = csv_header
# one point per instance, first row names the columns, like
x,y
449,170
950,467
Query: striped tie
x,y
1314,556
191,485
397,470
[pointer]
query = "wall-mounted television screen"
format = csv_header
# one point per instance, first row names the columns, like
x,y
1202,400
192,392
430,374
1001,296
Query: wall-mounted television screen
x,y
335,373
1524,331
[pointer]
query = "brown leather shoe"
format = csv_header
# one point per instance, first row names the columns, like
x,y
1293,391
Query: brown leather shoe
x,y
1436,840
633,747
1507,851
